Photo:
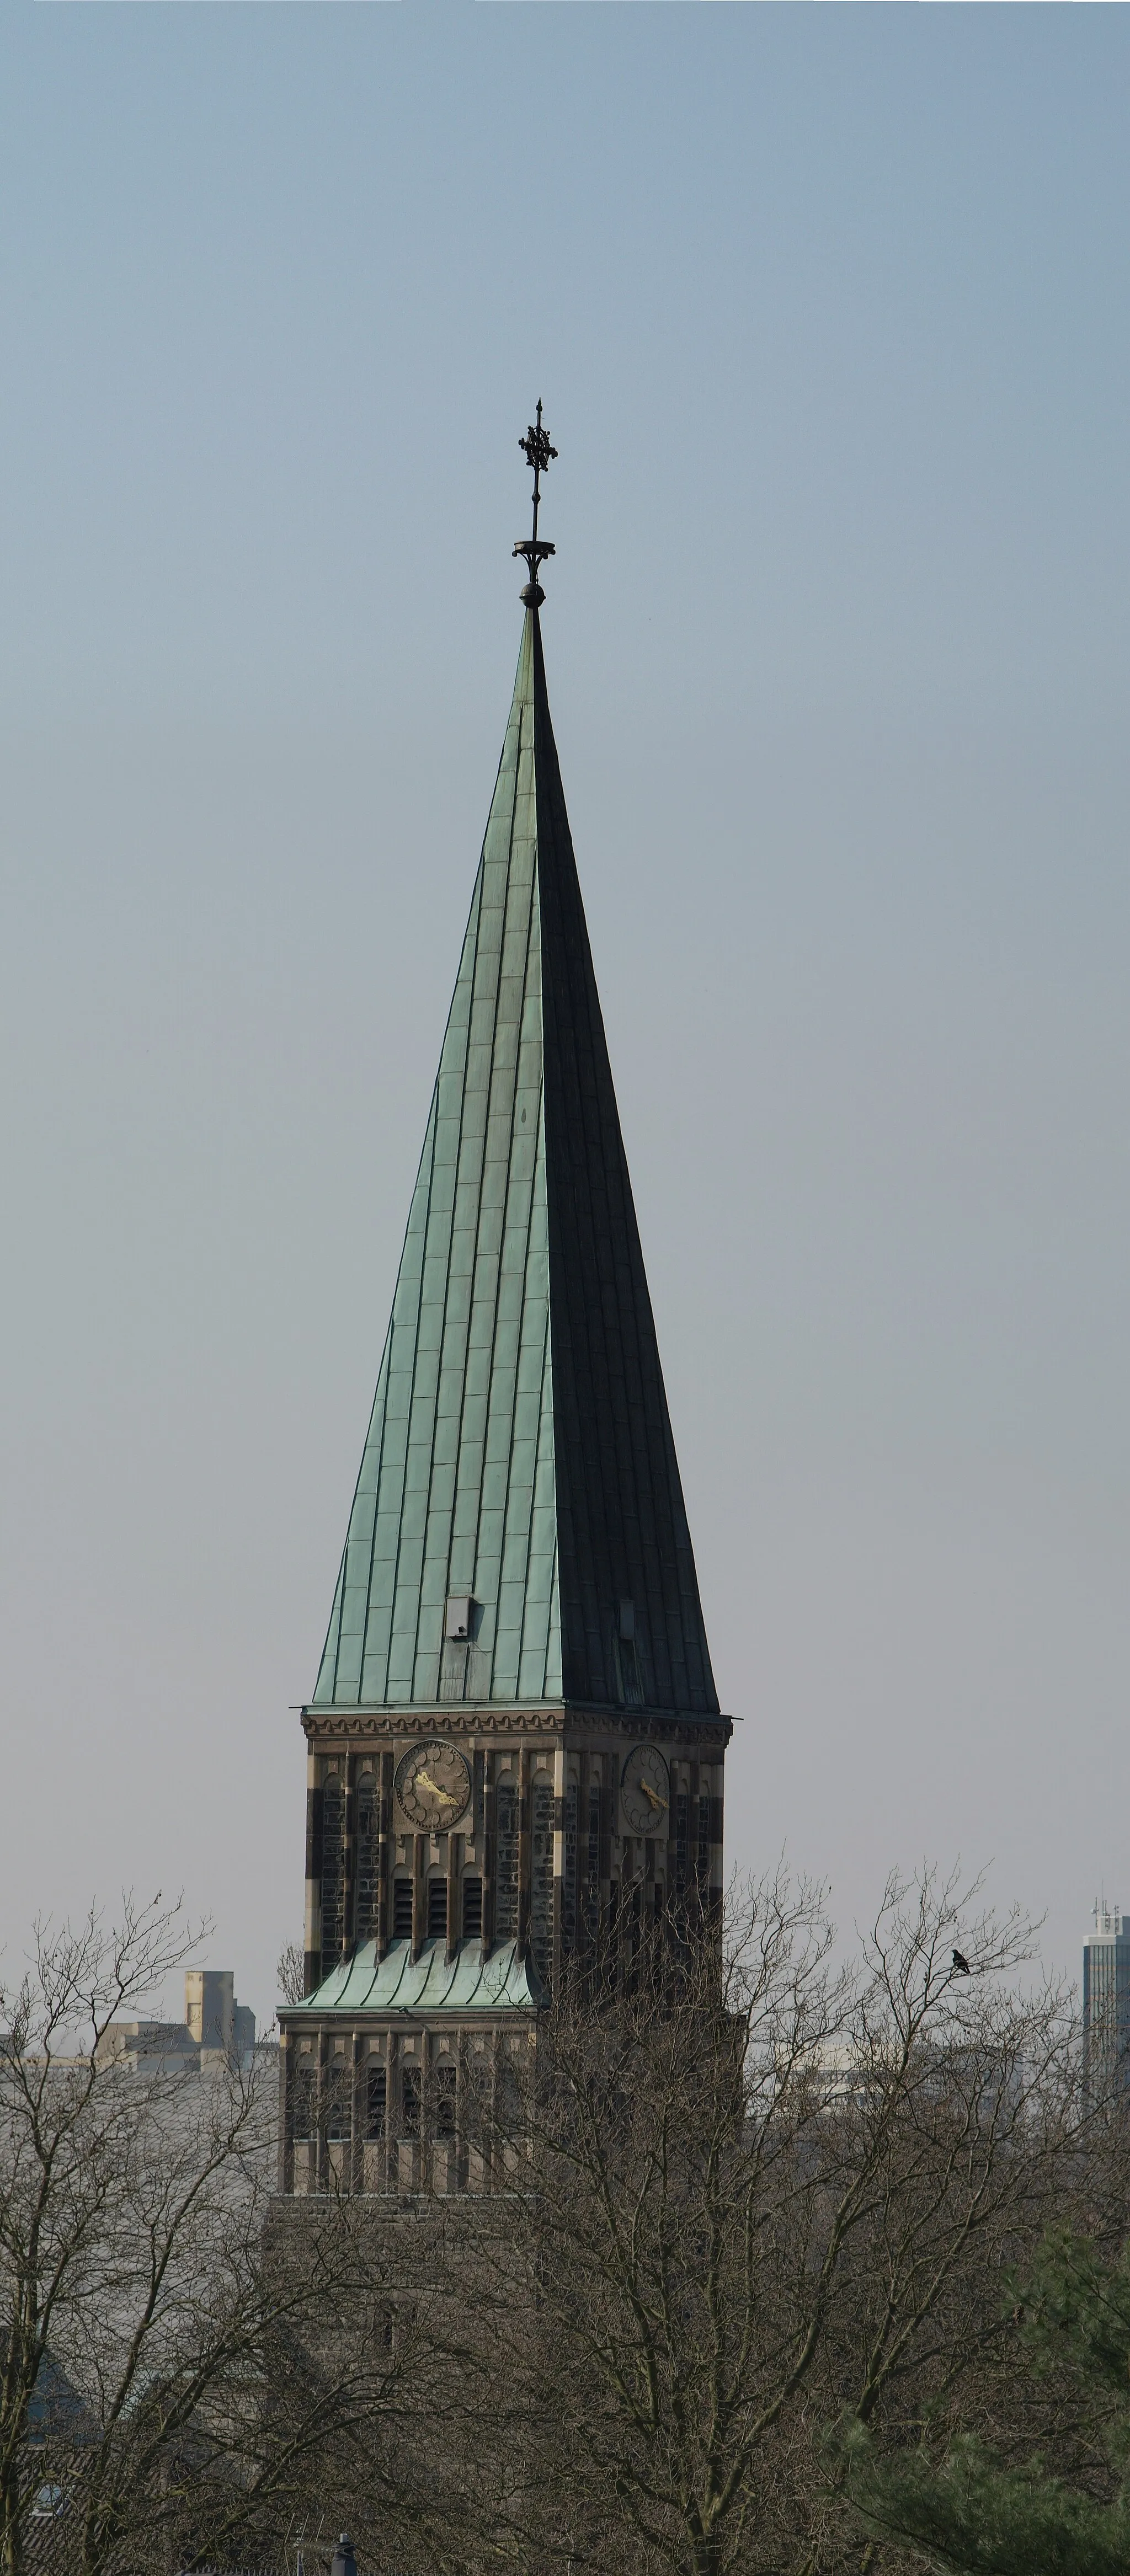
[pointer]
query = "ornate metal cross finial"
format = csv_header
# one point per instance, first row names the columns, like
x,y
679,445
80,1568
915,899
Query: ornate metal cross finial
x,y
536,447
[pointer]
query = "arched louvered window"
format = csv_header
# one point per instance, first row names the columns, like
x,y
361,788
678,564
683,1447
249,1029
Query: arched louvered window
x,y
367,1817
304,2100
333,1869
506,1866
541,1874
376,2100
569,1862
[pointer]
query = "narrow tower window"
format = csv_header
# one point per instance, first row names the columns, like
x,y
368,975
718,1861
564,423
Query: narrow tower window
x,y
410,2100
445,2099
506,1875
338,2105
304,2100
376,2101
366,1900
333,1869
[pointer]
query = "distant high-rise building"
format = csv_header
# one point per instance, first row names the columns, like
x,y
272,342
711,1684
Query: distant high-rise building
x,y
1106,2003
209,2006
242,2033
214,2017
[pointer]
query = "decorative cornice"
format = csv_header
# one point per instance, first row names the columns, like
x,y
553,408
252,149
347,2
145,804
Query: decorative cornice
x,y
361,1726
637,1725
365,1726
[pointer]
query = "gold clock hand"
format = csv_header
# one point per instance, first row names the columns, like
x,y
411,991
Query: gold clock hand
x,y
650,1794
424,1780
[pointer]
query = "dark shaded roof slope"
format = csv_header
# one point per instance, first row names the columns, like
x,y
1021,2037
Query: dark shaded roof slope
x,y
520,1448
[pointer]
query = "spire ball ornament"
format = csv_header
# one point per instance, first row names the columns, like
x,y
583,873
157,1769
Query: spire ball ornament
x,y
536,448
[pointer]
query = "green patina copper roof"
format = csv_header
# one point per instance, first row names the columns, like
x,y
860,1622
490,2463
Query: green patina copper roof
x,y
433,1983
520,1448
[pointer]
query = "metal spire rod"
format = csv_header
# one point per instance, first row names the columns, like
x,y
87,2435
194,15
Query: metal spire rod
x,y
536,448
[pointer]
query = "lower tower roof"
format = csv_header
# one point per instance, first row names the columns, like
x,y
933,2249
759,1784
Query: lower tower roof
x,y
468,1981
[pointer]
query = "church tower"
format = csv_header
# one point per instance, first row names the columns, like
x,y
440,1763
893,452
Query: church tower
x,y
514,1742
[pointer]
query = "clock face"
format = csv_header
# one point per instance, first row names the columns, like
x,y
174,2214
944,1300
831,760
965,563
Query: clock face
x,y
433,1785
646,1791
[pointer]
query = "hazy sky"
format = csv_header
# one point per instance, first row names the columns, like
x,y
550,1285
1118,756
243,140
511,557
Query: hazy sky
x,y
829,312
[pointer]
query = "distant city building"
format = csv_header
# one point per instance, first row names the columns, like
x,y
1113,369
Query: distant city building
x,y
215,2028
214,2017
136,2045
1106,2003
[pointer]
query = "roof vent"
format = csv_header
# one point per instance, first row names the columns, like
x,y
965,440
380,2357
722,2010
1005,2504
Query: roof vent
x,y
628,1622
460,1617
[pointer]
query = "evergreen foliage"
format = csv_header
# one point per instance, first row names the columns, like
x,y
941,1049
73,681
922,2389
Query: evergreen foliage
x,y
983,2515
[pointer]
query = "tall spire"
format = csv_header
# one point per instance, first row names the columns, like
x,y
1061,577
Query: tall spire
x,y
518,1532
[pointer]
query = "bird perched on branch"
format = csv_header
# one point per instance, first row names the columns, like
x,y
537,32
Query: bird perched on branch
x,y
961,1967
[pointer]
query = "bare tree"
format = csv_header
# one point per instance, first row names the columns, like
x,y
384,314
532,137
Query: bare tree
x,y
179,2379
749,2189
290,1973
66,2138
734,2190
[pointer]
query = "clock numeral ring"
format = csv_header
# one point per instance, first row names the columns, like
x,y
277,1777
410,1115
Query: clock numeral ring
x,y
433,1786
